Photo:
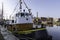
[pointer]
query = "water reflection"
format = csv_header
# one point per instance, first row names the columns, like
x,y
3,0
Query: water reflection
x,y
54,31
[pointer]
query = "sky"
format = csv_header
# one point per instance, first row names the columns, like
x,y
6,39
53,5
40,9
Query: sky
x,y
45,8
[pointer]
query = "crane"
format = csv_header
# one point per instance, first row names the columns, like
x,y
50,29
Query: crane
x,y
20,1
27,7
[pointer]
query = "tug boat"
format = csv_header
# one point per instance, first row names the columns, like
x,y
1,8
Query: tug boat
x,y
22,26
22,20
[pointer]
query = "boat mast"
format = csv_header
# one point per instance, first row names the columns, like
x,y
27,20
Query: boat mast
x,y
20,5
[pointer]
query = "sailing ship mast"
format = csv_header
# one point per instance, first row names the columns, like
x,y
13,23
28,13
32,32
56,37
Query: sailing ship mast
x,y
2,12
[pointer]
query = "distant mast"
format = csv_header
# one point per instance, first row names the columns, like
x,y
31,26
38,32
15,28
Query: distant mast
x,y
37,14
2,11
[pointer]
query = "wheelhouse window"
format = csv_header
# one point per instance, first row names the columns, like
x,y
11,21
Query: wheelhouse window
x,y
18,14
12,21
22,14
27,14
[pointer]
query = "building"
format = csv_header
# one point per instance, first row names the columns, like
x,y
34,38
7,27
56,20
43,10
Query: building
x,y
44,20
58,22
50,21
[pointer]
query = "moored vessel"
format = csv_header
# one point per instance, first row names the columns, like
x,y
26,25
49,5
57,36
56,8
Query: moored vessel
x,y
22,26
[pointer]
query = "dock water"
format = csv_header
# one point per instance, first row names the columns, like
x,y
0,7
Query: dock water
x,y
36,35
1,37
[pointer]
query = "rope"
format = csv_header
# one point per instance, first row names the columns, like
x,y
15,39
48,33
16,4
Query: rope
x,y
14,10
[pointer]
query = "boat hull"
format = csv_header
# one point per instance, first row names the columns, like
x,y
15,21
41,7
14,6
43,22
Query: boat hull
x,y
20,27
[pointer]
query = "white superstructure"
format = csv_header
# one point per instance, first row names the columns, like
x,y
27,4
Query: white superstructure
x,y
22,18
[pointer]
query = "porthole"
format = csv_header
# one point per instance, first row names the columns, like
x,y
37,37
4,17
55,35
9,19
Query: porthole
x,y
26,18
